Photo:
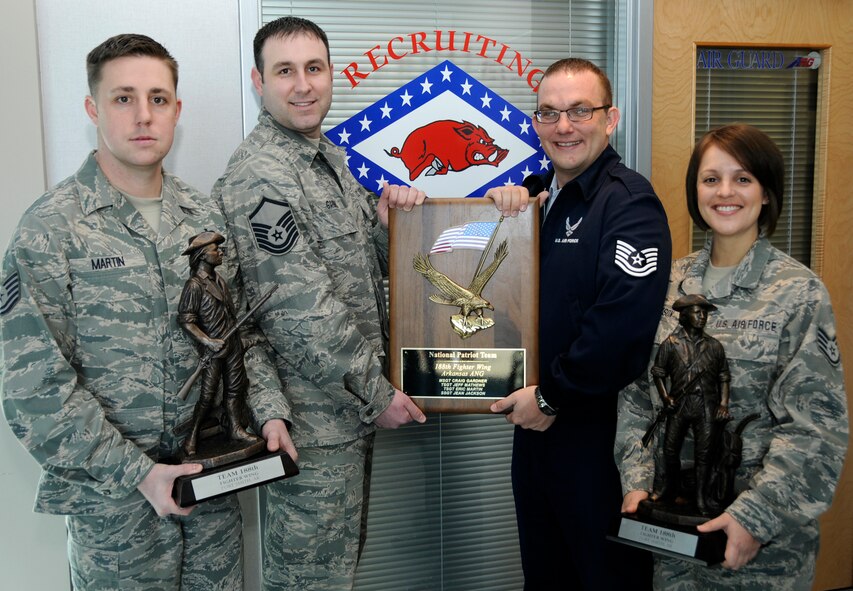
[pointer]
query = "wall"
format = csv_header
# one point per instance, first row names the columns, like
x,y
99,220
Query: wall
x,y
25,534
209,80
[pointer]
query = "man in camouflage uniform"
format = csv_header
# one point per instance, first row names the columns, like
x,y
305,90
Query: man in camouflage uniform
x,y
93,353
775,322
300,220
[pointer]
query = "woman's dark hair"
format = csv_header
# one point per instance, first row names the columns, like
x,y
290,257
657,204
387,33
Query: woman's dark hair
x,y
758,155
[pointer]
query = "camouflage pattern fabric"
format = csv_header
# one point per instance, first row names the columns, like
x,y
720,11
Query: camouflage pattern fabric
x,y
300,220
92,351
776,325
313,521
781,566
137,550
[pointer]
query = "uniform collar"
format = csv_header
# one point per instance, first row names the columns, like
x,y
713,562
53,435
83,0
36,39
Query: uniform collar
x,y
590,180
746,275
96,192
331,153
751,268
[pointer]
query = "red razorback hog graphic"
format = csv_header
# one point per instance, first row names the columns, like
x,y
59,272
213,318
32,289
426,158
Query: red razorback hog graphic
x,y
447,145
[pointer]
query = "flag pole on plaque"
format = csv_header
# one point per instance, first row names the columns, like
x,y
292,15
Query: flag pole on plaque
x,y
488,247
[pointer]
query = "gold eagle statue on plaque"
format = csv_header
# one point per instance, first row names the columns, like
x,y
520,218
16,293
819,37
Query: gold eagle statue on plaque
x,y
470,300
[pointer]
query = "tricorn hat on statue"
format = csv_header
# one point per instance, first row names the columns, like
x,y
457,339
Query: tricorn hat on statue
x,y
203,239
693,299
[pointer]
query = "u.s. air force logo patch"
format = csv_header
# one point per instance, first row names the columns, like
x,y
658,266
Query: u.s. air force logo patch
x,y
273,226
10,293
570,227
829,347
636,262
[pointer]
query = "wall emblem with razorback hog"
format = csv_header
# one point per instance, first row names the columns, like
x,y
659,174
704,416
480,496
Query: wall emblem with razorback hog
x,y
444,146
445,133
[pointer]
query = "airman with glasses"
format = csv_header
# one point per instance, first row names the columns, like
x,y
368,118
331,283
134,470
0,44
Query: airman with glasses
x,y
603,269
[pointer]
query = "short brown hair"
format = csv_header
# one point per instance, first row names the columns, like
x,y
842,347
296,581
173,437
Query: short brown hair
x,y
576,64
124,45
284,27
757,153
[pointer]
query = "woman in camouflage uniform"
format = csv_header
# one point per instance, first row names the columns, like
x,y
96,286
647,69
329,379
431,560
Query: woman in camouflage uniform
x,y
776,324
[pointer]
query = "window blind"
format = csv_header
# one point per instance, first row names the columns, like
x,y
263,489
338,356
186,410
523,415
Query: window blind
x,y
441,513
541,31
783,104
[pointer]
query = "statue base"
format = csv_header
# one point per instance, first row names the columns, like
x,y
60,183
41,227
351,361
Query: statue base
x,y
670,530
233,475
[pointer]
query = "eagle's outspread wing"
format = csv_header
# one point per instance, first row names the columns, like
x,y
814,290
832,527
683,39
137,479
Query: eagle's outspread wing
x,y
482,279
454,294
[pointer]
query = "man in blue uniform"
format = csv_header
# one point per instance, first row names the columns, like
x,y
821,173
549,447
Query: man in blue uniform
x,y
605,254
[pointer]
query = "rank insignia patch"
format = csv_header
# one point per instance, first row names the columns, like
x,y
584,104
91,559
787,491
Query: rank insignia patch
x,y
636,262
10,293
829,347
273,226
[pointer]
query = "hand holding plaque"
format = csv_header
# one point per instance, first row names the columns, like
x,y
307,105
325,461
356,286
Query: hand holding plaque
x,y
233,459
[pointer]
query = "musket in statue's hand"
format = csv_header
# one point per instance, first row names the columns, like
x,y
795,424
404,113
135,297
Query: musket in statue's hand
x,y
205,359
668,409
215,347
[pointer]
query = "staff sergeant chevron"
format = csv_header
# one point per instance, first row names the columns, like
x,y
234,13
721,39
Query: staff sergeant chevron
x,y
636,262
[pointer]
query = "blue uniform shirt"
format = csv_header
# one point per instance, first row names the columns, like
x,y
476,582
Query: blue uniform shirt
x,y
605,254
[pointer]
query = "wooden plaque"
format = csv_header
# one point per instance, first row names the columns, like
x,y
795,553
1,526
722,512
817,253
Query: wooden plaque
x,y
464,317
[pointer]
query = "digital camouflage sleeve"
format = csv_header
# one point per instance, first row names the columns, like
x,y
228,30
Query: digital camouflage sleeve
x,y
92,352
301,221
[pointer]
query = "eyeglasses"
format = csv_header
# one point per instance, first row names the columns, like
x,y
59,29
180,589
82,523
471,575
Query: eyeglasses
x,y
575,115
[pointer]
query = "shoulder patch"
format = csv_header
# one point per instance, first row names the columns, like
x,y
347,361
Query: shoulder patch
x,y
273,226
636,262
829,347
10,293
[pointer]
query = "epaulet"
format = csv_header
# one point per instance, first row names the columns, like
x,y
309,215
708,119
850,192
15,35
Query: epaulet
x,y
633,181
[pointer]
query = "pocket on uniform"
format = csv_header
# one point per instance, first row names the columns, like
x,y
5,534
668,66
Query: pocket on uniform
x,y
334,223
108,279
94,562
761,348
142,426
304,518
114,312
337,236
113,302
